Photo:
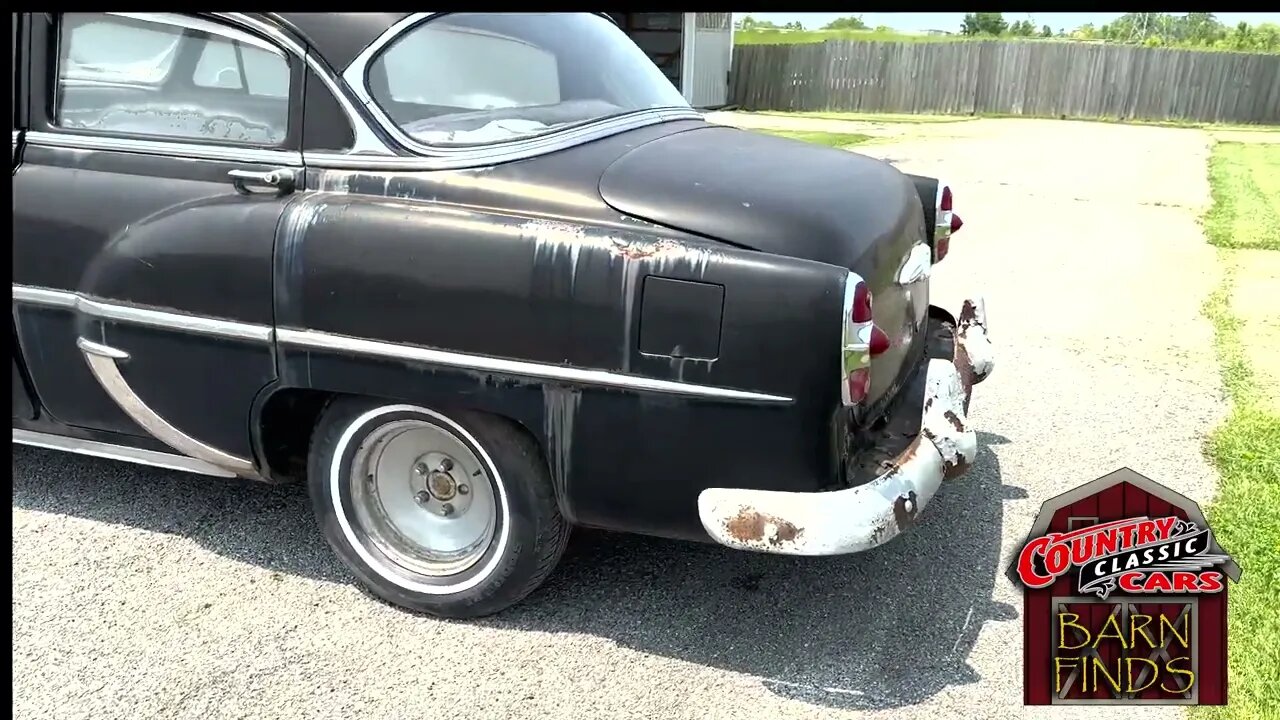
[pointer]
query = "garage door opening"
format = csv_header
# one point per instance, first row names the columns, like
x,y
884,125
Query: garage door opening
x,y
694,50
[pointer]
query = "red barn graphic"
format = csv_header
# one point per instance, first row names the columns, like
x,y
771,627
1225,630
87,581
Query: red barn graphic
x,y
1131,603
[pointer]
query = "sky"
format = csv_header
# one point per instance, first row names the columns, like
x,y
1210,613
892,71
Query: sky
x,y
951,20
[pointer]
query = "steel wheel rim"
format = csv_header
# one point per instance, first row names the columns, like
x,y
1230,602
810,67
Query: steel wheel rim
x,y
423,499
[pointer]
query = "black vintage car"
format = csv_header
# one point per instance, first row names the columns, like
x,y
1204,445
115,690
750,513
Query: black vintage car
x,y
478,278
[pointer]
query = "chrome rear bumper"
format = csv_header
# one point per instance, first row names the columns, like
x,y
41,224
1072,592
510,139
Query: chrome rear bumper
x,y
862,517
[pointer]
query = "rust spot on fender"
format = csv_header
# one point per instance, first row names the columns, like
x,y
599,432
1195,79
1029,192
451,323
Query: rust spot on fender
x,y
751,526
964,366
905,510
952,469
968,315
954,420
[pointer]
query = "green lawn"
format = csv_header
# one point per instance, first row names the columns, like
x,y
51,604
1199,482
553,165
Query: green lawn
x,y
1245,181
1245,515
906,118
835,140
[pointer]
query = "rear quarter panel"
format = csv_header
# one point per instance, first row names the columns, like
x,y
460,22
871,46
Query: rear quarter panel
x,y
395,259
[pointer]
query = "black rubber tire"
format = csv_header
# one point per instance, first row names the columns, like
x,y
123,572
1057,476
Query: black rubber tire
x,y
537,531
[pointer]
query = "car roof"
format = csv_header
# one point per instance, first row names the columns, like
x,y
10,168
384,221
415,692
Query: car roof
x,y
338,37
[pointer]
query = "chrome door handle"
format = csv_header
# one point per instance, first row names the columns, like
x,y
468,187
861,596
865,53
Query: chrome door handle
x,y
282,179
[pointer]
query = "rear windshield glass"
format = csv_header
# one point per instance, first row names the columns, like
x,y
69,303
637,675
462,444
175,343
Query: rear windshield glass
x,y
478,78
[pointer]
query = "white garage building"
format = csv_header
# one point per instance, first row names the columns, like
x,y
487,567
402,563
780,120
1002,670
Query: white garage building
x,y
694,50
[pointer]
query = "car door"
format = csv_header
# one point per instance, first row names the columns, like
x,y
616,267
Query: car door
x,y
158,162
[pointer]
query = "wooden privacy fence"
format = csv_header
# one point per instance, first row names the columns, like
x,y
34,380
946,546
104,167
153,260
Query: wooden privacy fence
x,y
1018,78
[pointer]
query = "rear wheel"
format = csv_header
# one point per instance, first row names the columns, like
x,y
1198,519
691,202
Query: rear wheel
x,y
450,516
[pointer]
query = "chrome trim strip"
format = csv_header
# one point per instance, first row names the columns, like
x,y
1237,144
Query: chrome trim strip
x,y
345,343
105,351
142,316
439,158
123,453
43,296
102,363
180,149
365,140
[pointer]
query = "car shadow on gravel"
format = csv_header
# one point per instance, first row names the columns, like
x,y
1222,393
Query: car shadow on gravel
x,y
882,629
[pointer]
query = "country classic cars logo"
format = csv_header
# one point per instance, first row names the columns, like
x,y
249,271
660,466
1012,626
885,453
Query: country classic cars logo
x,y
1126,598
1139,555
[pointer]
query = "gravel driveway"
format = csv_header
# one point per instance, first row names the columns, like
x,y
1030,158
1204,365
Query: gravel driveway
x,y
152,594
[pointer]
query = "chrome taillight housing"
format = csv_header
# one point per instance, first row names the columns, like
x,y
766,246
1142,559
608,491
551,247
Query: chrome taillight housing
x,y
946,223
860,341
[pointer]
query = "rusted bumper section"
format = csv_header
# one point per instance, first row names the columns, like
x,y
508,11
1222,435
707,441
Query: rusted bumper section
x,y
862,517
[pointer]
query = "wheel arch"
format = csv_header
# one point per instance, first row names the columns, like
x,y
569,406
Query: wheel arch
x,y
285,414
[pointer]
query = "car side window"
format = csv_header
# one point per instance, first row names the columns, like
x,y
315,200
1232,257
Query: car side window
x,y
169,76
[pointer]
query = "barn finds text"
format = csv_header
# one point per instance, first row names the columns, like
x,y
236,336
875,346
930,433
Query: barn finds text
x,y
1141,652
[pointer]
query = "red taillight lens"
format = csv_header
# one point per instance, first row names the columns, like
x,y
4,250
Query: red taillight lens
x,y
879,341
861,304
861,340
956,222
940,248
859,383
945,204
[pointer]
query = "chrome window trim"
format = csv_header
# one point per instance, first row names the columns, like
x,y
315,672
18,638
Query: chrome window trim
x,y
494,154
437,158
166,148
123,453
106,310
366,141
102,360
313,339
316,339
195,22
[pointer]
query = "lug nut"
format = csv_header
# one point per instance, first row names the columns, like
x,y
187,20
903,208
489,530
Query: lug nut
x,y
420,468
446,465
446,509
423,497
463,489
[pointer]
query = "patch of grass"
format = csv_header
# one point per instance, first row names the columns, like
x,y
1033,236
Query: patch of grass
x,y
1245,521
835,140
903,118
908,118
1244,179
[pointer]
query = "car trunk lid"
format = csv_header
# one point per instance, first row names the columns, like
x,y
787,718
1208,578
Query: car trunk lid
x,y
795,199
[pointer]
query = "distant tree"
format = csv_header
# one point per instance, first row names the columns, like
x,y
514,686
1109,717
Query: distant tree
x,y
983,24
749,23
1046,31
1022,28
793,25
1085,32
850,22
1202,29
1266,37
